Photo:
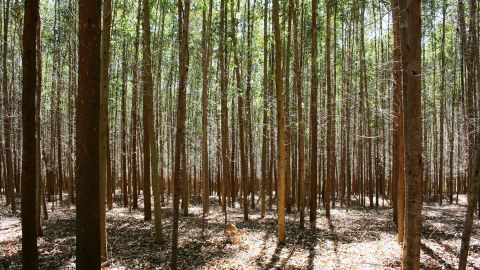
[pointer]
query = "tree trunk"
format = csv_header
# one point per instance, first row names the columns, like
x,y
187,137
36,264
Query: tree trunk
x,y
474,165
301,124
223,104
249,120
410,14
288,139
87,166
330,119
241,118
104,122
471,202
264,111
150,138
183,62
280,125
470,104
206,35
442,107
58,130
147,203
38,132
398,181
125,189
7,118
134,160
313,118
71,86
29,157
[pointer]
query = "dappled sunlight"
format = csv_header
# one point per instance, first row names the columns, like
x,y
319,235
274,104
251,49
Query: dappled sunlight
x,y
359,239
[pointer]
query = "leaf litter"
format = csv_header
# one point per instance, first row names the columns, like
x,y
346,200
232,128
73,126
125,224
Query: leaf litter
x,y
357,238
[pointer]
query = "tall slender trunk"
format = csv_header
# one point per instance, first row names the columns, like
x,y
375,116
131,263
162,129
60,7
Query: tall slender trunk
x,y
280,125
241,117
313,118
264,111
125,190
249,116
38,132
463,49
398,181
29,157
470,61
147,203
71,94
223,104
206,34
58,120
51,179
410,14
88,255
330,118
7,118
183,62
232,192
301,124
442,106
134,147
474,164
104,122
288,139
150,150
473,190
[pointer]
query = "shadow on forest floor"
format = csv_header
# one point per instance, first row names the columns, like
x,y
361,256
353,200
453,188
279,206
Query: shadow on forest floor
x,y
360,238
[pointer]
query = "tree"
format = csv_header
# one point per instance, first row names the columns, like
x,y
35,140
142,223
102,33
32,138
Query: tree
x,y
150,151
134,111
223,107
72,71
38,159
474,163
301,124
288,140
58,117
472,199
51,177
241,117
29,157
442,106
125,185
206,48
7,117
410,14
104,122
471,202
280,125
147,90
249,120
398,165
264,117
87,123
330,118
183,62
313,118
471,55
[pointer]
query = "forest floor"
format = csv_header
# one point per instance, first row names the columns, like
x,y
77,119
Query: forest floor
x,y
359,239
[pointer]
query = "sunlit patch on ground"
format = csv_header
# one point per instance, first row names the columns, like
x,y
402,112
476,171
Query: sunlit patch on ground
x,y
359,239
